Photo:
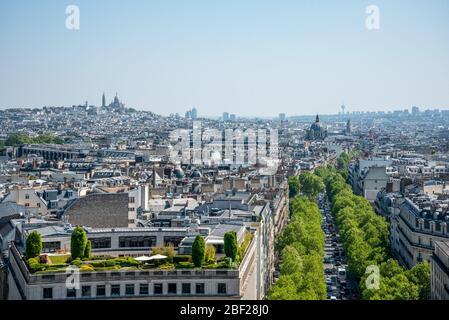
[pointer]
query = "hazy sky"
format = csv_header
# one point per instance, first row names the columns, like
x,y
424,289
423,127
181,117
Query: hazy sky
x,y
249,57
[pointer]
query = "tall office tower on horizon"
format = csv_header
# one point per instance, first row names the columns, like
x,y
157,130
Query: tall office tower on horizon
x,y
194,113
225,116
103,101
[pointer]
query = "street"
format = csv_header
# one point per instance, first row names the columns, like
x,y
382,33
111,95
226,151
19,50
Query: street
x,y
339,285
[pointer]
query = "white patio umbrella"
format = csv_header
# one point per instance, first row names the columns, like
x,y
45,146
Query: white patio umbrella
x,y
158,257
142,259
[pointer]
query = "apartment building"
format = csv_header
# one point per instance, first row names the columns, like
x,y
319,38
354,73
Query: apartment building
x,y
29,198
241,283
416,225
440,271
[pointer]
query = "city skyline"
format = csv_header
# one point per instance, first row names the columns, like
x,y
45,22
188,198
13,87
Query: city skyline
x,y
243,58
341,110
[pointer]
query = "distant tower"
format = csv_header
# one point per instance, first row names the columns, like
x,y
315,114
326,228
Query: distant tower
x,y
343,109
194,114
317,119
103,101
348,127
153,177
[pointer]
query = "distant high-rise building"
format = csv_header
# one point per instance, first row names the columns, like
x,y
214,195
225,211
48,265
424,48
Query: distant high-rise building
x,y
188,114
225,116
343,109
415,111
103,101
194,114
232,117
282,116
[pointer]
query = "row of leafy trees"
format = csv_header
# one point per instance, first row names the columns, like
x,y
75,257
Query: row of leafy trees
x,y
365,238
17,139
308,184
301,245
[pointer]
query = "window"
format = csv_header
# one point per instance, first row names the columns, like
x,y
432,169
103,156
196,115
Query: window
x,y
47,293
52,246
172,288
71,293
173,240
132,200
27,196
115,290
129,289
186,288
27,204
100,243
158,288
221,288
101,291
137,242
144,289
200,288
85,291
132,209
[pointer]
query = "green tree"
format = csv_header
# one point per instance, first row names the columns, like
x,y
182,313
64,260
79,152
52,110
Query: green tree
x,y
33,245
311,184
420,275
283,289
291,261
231,245
78,243
17,139
301,246
168,251
88,249
293,186
198,251
210,254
